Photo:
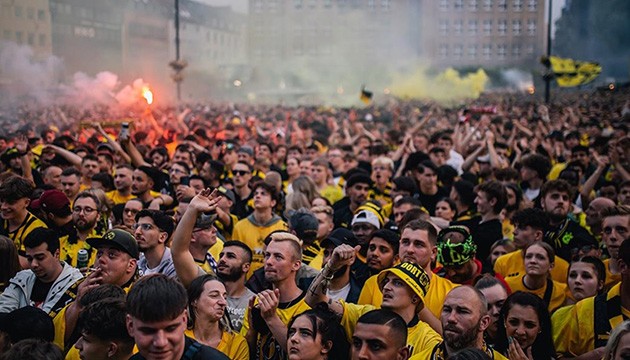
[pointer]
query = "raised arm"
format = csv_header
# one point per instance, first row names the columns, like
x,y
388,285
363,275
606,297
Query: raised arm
x,y
342,255
185,266
72,158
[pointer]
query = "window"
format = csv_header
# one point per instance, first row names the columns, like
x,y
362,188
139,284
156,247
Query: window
x,y
531,27
31,39
532,5
501,51
327,4
298,4
30,13
487,5
458,51
17,11
257,6
19,37
502,26
516,51
487,27
371,4
472,27
472,51
41,15
517,27
487,51
473,5
458,5
518,5
530,49
6,35
443,50
458,25
443,5
502,5
386,5
273,5
443,24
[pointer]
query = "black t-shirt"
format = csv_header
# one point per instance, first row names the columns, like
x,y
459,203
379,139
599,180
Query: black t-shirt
x,y
199,352
568,237
40,291
430,201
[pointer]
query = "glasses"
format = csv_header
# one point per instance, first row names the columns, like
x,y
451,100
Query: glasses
x,y
240,172
132,211
143,226
86,210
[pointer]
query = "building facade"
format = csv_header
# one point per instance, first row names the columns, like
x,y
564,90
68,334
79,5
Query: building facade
x,y
489,33
27,22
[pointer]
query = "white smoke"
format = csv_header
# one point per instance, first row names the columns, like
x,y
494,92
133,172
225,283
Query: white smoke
x,y
518,79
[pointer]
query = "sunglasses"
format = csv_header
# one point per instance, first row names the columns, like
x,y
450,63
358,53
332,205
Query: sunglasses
x,y
240,172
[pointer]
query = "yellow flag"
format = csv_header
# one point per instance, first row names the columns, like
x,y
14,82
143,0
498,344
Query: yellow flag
x,y
569,72
366,96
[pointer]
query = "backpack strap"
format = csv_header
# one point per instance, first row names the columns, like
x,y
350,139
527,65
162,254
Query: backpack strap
x,y
192,350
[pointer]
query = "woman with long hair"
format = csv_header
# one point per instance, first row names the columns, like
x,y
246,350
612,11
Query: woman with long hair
x,y
316,334
304,191
539,259
208,321
524,330
9,260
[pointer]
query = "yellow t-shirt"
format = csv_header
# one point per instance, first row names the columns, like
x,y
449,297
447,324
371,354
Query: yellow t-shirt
x,y
513,264
439,287
611,279
266,345
558,294
232,344
30,223
318,261
573,328
69,252
332,193
254,237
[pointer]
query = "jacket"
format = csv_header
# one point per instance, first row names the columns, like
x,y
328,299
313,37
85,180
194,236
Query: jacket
x,y
18,293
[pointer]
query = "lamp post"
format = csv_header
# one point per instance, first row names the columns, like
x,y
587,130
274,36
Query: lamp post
x,y
548,77
178,64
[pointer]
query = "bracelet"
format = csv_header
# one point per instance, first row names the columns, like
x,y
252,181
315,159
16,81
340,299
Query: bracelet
x,y
325,270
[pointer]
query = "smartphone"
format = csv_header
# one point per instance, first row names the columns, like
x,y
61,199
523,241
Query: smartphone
x,y
185,181
124,131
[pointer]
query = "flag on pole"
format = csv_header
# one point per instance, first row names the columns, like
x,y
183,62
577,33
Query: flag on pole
x,y
366,96
569,72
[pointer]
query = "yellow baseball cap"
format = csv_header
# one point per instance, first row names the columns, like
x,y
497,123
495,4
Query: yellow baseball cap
x,y
413,275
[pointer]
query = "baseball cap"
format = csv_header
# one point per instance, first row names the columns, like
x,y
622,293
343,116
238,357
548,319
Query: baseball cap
x,y
365,216
247,150
118,239
205,221
340,236
51,201
455,254
413,275
305,224
227,193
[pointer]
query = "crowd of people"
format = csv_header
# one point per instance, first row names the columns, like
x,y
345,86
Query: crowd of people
x,y
405,230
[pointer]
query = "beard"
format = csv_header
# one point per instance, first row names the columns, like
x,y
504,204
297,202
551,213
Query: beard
x,y
84,225
233,274
461,340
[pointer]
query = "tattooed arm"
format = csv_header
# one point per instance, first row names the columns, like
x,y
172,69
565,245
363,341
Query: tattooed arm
x,y
342,255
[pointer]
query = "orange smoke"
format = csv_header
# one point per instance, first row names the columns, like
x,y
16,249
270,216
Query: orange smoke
x,y
147,95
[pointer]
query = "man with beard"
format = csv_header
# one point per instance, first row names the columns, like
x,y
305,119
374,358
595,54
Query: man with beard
x,y
234,260
357,188
153,229
404,287
123,178
564,234
382,250
85,216
71,182
530,226
55,207
343,284
464,319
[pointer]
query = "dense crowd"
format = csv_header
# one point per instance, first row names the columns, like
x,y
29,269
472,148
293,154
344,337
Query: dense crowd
x,y
405,230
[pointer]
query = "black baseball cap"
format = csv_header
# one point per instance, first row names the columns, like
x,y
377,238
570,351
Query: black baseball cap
x,y
340,236
117,239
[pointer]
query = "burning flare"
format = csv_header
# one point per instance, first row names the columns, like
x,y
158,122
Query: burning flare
x,y
147,95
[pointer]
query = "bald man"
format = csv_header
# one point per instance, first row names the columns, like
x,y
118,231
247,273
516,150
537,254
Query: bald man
x,y
594,215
